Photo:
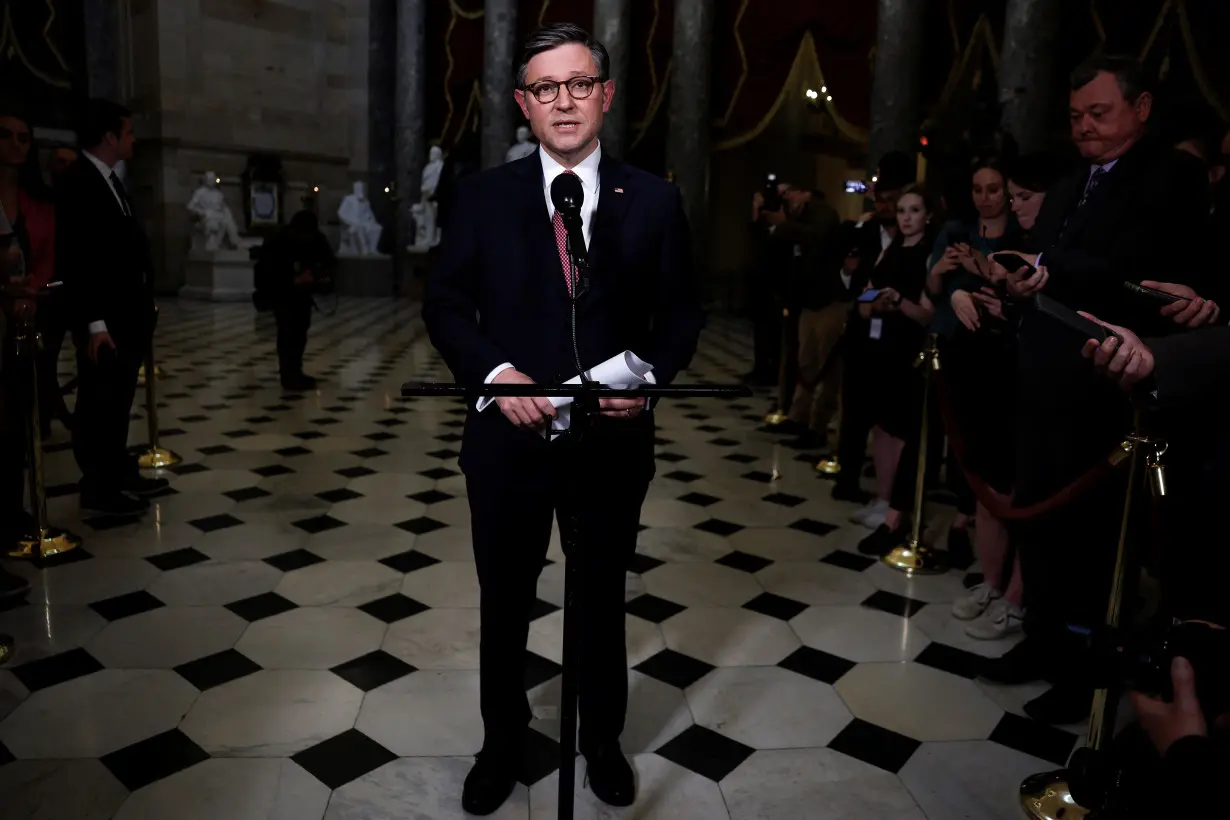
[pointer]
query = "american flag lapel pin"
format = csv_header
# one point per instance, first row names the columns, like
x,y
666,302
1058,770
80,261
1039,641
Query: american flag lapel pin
x,y
619,190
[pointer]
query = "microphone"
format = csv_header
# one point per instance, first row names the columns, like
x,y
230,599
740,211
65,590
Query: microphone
x,y
567,195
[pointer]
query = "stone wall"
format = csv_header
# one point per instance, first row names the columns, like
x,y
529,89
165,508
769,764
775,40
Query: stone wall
x,y
213,81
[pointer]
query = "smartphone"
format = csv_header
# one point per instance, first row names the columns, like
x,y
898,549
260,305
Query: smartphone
x,y
1013,263
869,295
1160,297
1087,328
856,186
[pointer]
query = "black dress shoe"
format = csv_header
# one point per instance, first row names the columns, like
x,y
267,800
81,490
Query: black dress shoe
x,y
488,784
1023,663
609,776
113,504
1061,705
809,440
141,485
298,383
881,542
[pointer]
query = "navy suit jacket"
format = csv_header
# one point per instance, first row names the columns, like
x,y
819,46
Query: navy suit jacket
x,y
498,294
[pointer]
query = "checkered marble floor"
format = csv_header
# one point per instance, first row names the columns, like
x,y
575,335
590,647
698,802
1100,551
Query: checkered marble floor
x,y
292,633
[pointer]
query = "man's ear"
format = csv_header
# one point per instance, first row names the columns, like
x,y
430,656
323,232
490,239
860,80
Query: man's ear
x,y
1144,105
608,94
519,95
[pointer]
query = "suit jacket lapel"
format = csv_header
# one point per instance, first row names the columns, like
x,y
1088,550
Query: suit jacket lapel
x,y
613,200
539,233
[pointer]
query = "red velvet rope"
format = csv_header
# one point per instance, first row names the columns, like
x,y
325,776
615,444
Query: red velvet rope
x,y
996,503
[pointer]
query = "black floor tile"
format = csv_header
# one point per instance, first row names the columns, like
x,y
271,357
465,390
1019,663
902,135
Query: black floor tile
x,y
652,608
259,419
102,523
154,759
261,606
421,525
439,473
710,428
670,458
817,665
409,561
54,669
683,476
723,442
540,759
217,450
444,455
339,495
215,522
370,452
217,669
744,562
293,560
674,668
775,606
293,452
719,527
739,458
308,435
872,744
848,560
61,490
125,606
812,526
783,499
247,494
430,497
759,476
239,433
392,608
355,472
539,670
705,752
188,469
950,659
699,499
1033,738
640,564
6,757
318,524
177,559
380,436
273,470
339,760
324,421
372,670
542,609
893,603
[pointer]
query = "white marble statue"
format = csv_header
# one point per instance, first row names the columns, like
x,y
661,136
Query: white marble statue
x,y
215,225
431,173
360,230
522,147
426,230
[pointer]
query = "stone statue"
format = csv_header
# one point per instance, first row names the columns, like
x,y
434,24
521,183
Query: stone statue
x,y
522,147
426,232
360,230
431,173
215,225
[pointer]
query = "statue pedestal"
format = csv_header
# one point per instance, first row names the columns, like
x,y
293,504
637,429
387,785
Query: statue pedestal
x,y
218,276
365,275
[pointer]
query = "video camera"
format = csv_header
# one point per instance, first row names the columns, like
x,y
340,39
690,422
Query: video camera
x,y
772,197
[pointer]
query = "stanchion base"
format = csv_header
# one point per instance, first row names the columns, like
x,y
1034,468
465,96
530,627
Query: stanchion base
x,y
829,466
157,457
141,375
7,645
51,541
914,558
775,418
1046,796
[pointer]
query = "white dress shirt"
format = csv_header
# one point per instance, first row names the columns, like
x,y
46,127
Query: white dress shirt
x,y
106,171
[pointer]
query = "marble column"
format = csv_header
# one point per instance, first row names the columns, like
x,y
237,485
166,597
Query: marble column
x,y
499,79
687,141
410,115
613,28
381,107
896,104
1028,70
102,48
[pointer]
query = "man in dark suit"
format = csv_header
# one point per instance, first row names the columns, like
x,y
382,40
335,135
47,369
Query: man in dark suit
x,y
104,260
498,309
1136,210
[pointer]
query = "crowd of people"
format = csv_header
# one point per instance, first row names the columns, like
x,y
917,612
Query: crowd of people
x,y
1124,237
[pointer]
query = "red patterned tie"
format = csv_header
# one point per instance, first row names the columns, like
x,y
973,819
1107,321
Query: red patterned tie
x,y
561,242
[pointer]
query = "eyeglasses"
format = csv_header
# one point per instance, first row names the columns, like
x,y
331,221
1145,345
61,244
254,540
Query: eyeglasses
x,y
22,137
578,88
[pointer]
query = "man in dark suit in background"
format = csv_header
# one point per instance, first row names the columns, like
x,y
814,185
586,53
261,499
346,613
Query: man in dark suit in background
x,y
1136,211
104,260
498,309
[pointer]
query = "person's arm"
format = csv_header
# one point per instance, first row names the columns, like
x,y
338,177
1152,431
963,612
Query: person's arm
x,y
1190,368
677,314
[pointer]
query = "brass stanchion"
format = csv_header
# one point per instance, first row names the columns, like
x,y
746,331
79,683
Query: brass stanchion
x,y
45,541
914,557
779,416
141,375
156,456
7,644
1048,795
829,466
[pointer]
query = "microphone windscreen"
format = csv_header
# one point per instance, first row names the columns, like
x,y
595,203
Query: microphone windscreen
x,y
567,193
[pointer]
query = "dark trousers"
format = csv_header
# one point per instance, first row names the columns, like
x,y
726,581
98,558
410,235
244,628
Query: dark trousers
x,y
905,480
105,395
14,382
857,418
293,317
511,523
766,331
52,327
788,372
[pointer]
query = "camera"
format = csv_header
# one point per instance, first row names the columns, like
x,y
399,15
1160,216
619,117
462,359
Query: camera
x,y
856,186
772,197
1141,661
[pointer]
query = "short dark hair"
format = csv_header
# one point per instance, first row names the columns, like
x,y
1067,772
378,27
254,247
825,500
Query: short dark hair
x,y
1126,70
561,34
1035,172
101,117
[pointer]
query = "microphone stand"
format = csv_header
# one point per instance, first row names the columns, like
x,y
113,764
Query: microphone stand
x,y
585,410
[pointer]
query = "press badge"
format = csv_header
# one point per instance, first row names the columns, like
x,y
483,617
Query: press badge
x,y
877,328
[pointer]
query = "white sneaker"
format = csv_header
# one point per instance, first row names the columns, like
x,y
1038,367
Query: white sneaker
x,y
1001,620
971,606
871,516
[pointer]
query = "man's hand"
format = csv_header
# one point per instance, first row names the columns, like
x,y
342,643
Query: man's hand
x,y
1166,723
1193,312
774,217
948,262
972,260
526,412
889,301
1023,286
305,278
967,312
97,342
1127,362
989,301
621,408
